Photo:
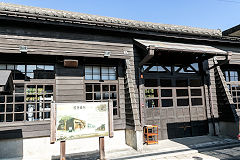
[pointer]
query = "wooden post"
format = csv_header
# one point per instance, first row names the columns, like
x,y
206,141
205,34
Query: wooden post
x,y
110,116
62,150
53,124
101,148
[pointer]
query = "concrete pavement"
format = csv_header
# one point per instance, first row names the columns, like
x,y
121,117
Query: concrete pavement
x,y
180,148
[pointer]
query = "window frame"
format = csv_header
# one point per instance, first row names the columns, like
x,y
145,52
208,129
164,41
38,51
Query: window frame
x,y
36,82
25,69
100,73
106,82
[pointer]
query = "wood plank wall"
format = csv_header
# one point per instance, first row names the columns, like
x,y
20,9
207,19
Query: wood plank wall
x,y
69,81
59,43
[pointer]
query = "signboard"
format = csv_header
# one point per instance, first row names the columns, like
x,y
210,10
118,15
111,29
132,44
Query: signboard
x,y
80,120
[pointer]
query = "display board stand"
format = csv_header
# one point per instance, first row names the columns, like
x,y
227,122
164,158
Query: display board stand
x,y
101,138
62,150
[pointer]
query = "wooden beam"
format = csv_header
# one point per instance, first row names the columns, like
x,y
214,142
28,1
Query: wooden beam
x,y
148,56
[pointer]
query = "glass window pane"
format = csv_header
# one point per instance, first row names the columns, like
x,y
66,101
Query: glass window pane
x,y
30,110
19,88
20,68
105,95
196,92
150,93
167,102
88,88
151,103
97,96
196,101
9,98
46,115
88,69
9,117
114,103
115,111
96,87
113,87
89,96
9,108
3,66
49,89
166,93
1,117
96,77
10,67
105,77
47,106
49,67
30,75
2,99
31,68
112,77
19,107
104,70
88,77
113,70
2,107
19,97
113,95
40,67
183,102
96,70
182,92
105,87
19,117
31,89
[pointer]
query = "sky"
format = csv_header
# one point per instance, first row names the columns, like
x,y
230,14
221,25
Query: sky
x,y
213,14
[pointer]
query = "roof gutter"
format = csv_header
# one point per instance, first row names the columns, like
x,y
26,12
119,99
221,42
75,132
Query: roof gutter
x,y
228,57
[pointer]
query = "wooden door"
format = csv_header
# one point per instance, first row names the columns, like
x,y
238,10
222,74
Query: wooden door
x,y
176,105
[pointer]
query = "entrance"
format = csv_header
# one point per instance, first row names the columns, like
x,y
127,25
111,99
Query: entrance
x,y
175,101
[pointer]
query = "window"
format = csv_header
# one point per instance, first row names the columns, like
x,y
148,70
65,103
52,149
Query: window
x,y
99,92
29,102
25,72
233,81
231,76
100,73
173,92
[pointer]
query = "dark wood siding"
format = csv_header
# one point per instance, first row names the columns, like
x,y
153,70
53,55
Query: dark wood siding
x,y
60,43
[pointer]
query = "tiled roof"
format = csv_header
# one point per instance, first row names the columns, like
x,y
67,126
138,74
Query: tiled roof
x,y
75,17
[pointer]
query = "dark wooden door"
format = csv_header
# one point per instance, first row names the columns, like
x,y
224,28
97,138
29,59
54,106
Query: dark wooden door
x,y
176,105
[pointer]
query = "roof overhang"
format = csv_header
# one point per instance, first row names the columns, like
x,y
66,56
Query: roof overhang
x,y
6,81
199,49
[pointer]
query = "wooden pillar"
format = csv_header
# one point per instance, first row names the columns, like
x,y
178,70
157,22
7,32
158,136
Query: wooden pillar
x,y
101,148
62,150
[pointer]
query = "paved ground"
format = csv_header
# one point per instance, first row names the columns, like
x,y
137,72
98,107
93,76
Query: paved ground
x,y
225,154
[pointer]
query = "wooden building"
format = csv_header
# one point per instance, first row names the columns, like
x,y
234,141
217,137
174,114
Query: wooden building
x,y
166,75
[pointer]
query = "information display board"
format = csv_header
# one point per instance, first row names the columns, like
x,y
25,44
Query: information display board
x,y
80,120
